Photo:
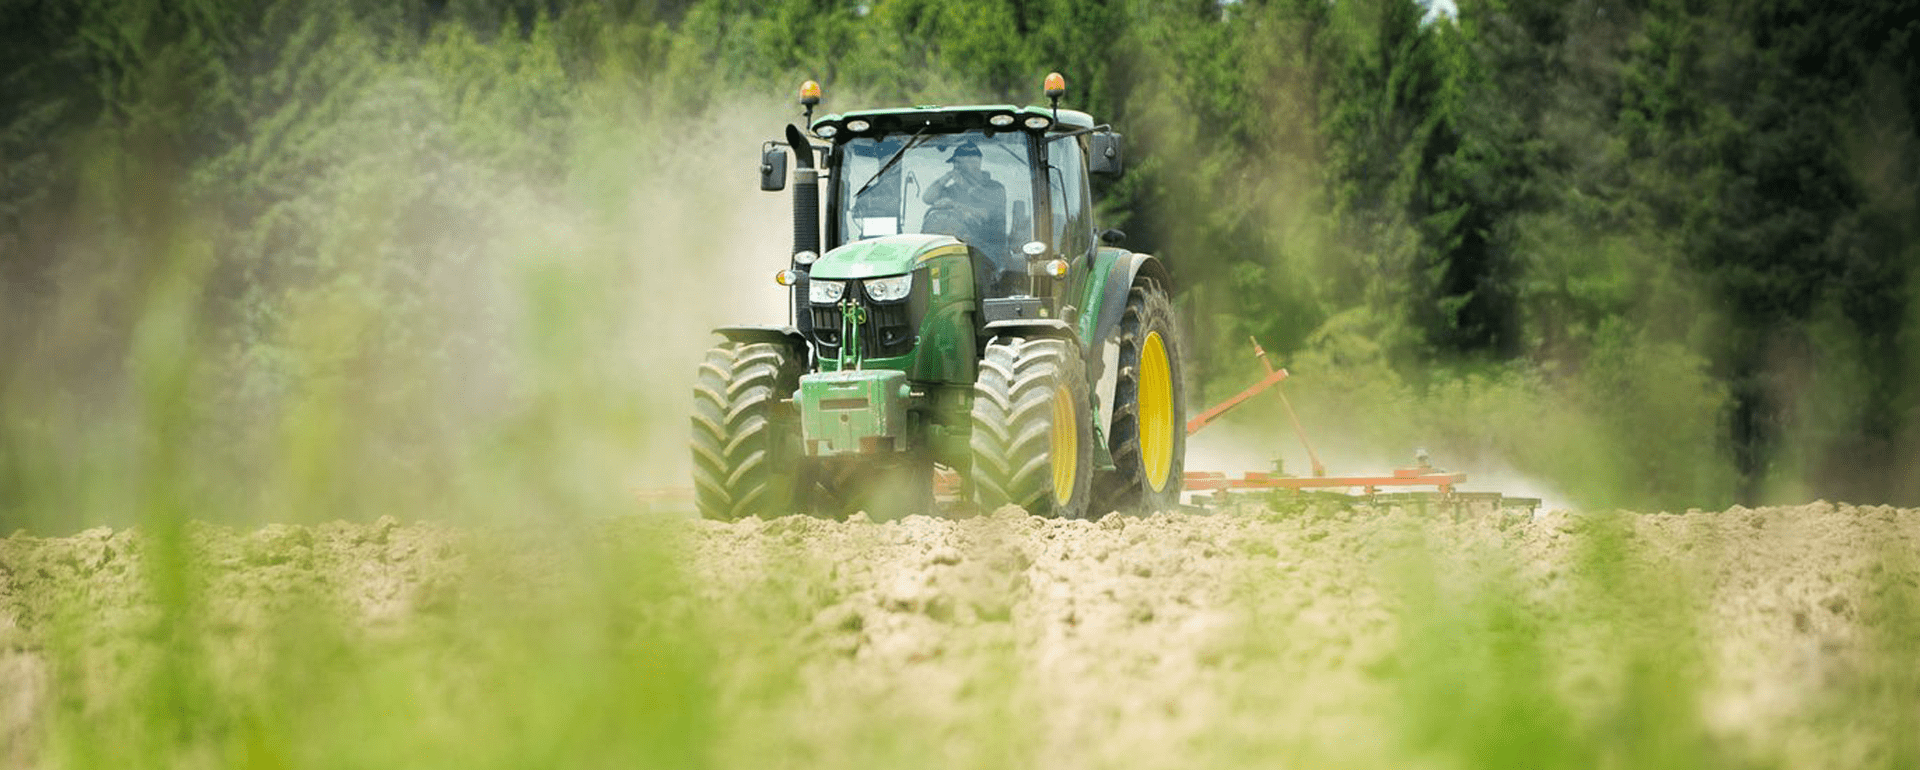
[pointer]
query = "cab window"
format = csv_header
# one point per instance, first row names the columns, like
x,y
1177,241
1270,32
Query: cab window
x,y
972,185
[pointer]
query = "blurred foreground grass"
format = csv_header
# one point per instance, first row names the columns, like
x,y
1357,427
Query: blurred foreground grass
x,y
1318,637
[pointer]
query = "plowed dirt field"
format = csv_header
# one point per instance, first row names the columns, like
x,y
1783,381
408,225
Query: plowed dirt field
x,y
1309,636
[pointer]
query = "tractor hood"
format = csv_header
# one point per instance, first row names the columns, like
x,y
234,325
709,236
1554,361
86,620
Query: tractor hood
x,y
876,257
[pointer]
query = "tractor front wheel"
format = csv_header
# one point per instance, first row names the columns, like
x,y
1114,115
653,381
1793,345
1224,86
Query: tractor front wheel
x,y
1032,441
746,442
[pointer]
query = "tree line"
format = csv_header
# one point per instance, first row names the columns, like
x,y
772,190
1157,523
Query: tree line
x,y
1692,222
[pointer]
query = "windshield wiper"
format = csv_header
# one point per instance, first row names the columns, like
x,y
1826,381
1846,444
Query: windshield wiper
x,y
912,142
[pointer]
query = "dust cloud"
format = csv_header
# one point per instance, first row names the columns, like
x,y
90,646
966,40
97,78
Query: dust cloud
x,y
453,327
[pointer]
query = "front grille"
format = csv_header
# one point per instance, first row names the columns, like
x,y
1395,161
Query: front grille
x,y
889,328
888,331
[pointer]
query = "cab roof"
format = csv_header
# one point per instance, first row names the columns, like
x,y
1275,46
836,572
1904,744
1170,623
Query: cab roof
x,y
896,119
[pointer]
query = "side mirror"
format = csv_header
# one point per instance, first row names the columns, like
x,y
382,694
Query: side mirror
x,y
773,168
1112,237
1103,154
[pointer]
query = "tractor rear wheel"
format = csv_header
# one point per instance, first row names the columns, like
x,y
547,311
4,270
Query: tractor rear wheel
x,y
746,442
1032,441
1149,433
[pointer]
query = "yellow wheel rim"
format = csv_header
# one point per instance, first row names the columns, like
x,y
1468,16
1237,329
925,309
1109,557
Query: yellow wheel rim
x,y
1156,411
1066,445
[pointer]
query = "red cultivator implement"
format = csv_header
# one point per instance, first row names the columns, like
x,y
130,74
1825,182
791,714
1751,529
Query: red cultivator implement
x,y
1369,487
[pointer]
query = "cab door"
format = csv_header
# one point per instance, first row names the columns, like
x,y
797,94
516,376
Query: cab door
x,y
1070,215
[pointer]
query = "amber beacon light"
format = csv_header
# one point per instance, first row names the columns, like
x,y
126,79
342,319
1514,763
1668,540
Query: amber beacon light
x,y
809,96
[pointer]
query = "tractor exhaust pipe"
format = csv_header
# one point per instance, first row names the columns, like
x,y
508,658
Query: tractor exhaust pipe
x,y
806,224
806,194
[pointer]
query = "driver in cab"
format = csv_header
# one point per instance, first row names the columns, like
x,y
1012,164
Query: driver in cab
x,y
967,204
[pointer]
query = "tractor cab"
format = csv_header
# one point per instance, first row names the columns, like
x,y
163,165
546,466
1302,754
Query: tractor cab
x,y
1007,181
1010,183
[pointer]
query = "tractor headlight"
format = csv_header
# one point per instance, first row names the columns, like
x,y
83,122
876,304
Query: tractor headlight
x,y
825,292
889,289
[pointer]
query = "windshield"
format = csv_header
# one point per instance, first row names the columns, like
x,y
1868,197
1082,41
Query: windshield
x,y
968,185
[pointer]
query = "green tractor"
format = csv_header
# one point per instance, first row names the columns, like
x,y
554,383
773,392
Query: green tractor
x,y
961,309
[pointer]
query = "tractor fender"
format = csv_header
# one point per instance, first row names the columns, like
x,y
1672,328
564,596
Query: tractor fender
x,y
776,335
1113,296
1031,327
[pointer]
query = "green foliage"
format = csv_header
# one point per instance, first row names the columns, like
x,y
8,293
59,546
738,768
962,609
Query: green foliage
x,y
1720,200
1735,122
1486,665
